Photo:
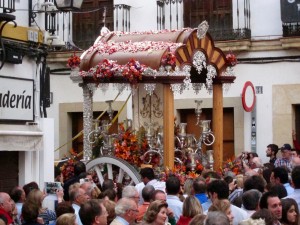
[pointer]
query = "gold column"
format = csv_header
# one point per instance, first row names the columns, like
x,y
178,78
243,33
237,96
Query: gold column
x,y
218,125
168,122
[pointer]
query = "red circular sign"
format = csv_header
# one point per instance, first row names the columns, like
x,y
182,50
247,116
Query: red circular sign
x,y
248,92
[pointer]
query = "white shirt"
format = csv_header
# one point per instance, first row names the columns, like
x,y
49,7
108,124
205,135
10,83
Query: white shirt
x,y
76,208
238,214
158,185
176,205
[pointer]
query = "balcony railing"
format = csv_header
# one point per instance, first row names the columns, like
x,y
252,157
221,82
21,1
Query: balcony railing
x,y
291,29
230,34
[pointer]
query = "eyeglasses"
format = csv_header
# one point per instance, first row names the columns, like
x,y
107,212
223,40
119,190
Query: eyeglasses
x,y
135,210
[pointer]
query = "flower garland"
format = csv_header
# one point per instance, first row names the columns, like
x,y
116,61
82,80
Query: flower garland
x,y
151,32
73,61
105,69
111,47
133,71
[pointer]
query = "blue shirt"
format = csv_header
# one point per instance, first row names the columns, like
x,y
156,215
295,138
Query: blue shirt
x,y
201,197
282,162
296,196
288,188
206,205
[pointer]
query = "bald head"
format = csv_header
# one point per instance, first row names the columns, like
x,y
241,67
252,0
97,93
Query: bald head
x,y
6,203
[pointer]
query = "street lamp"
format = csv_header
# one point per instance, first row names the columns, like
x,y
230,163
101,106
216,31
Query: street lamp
x,y
51,8
68,5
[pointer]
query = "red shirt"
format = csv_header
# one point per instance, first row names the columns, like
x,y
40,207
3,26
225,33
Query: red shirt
x,y
7,216
183,220
142,209
296,145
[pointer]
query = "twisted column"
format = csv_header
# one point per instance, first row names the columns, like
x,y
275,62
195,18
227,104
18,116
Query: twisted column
x,y
87,120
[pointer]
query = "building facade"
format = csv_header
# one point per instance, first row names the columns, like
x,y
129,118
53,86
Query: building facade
x,y
260,34
41,109
26,135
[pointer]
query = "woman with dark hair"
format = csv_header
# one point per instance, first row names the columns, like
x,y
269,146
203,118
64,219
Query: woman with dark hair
x,y
156,213
290,212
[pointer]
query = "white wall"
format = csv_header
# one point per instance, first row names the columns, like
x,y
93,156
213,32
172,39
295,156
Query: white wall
x,y
265,19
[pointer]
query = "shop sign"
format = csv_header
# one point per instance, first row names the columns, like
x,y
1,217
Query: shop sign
x,y
16,99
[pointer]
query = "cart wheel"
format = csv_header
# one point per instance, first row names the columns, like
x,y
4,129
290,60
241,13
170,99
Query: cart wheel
x,y
123,168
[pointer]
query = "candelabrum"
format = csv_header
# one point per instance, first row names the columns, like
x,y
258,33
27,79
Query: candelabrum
x,y
188,150
155,143
110,110
101,132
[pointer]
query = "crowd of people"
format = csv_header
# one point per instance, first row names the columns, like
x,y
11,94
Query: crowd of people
x,y
262,194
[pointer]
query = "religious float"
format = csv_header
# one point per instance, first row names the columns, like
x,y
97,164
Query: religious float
x,y
160,63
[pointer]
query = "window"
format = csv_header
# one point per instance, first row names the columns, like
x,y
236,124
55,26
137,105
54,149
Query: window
x,y
219,15
88,23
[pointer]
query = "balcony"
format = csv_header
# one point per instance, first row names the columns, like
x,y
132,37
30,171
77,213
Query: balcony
x,y
230,34
290,29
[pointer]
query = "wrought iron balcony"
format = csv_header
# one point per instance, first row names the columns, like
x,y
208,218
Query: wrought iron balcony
x,y
291,29
230,34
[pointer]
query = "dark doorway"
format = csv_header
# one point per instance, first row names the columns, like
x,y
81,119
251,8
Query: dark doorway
x,y
9,170
297,121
